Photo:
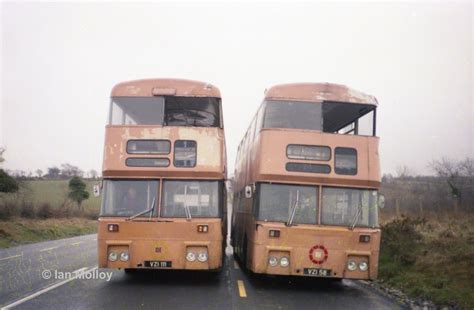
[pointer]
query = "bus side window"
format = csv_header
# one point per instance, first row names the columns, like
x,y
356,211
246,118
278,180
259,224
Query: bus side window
x,y
237,202
255,198
259,120
242,201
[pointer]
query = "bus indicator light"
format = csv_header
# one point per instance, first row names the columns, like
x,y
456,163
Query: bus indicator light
x,y
203,228
364,238
113,228
274,233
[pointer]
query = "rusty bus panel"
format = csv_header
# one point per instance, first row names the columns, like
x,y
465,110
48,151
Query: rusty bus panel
x,y
331,175
275,142
210,151
318,92
160,241
175,87
161,210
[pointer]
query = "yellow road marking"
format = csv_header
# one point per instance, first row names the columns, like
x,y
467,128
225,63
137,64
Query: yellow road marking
x,y
76,243
242,292
13,256
236,266
49,249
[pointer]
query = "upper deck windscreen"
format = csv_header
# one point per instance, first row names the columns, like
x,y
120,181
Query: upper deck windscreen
x,y
334,117
166,111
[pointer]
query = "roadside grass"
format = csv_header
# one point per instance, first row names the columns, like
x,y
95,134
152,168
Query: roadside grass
x,y
430,258
18,231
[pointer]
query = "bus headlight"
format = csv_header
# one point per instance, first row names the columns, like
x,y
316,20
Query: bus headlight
x,y
124,256
190,257
113,256
272,261
202,257
284,261
351,265
363,266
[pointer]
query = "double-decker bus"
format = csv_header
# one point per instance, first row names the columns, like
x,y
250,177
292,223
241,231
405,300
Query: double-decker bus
x,y
306,179
164,168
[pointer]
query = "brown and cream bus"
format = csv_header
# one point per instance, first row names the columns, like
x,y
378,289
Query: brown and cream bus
x,y
164,168
306,179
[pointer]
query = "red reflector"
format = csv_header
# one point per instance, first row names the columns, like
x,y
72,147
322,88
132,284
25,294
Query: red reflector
x,y
274,233
364,238
203,228
113,227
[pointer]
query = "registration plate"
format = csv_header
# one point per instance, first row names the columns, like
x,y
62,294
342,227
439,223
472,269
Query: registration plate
x,y
317,272
158,263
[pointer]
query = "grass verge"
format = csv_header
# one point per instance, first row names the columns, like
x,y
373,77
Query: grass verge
x,y
22,231
430,259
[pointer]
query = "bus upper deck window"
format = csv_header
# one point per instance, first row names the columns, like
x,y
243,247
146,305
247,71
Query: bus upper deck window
x,y
192,111
349,118
292,114
136,111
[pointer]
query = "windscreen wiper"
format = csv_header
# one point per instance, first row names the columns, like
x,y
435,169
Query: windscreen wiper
x,y
144,212
186,207
357,215
293,211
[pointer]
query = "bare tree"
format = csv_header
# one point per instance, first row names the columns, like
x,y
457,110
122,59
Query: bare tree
x,y
2,150
68,171
403,172
39,173
459,177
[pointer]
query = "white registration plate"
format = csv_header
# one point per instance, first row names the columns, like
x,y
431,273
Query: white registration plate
x,y
317,272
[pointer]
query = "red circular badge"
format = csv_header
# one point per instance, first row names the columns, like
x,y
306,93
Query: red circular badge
x,y
318,254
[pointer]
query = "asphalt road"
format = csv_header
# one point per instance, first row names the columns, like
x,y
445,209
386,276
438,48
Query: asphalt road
x,y
23,269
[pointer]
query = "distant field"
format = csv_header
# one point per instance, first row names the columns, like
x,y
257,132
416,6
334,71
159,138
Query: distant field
x,y
55,192
34,214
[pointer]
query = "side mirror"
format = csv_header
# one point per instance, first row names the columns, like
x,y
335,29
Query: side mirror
x,y
96,190
248,191
381,201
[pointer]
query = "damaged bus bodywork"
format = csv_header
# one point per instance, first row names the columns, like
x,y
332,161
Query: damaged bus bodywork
x,y
306,182
164,168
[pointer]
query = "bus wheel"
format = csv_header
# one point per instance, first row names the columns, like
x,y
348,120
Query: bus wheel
x,y
335,281
244,254
223,252
130,270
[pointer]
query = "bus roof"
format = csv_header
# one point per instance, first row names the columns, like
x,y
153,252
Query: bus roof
x,y
318,92
165,87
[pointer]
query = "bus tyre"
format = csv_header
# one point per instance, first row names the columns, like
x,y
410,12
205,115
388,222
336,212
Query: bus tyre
x,y
335,281
244,254
130,270
231,238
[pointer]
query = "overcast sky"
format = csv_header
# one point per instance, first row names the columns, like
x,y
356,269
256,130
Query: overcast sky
x,y
60,61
